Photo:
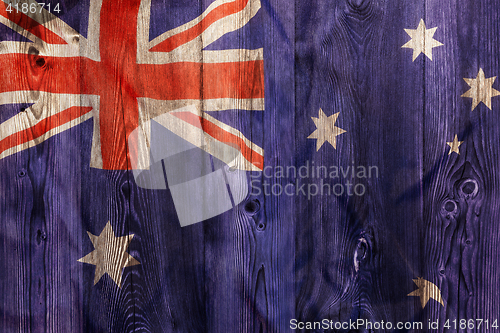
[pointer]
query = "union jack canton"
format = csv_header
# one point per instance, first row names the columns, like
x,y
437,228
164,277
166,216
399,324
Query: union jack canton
x,y
122,80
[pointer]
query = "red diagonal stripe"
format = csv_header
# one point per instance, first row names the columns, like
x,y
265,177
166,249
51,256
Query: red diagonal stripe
x,y
30,25
223,136
43,126
188,35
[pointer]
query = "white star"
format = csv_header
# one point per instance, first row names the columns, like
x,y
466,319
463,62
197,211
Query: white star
x,y
109,255
454,145
421,40
481,90
326,129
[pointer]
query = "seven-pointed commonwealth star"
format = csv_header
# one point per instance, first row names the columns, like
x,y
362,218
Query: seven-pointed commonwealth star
x,y
421,40
326,129
109,255
481,89
454,145
426,290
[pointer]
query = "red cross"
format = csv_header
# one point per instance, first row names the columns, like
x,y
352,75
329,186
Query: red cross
x,y
119,80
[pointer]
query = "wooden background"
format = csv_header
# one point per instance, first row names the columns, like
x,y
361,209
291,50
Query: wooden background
x,y
275,258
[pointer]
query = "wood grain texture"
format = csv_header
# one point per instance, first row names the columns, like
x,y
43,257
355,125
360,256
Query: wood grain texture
x,y
275,258
357,67
462,215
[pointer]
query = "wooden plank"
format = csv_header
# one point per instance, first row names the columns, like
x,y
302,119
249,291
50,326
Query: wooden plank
x,y
354,250
461,230
16,203
276,226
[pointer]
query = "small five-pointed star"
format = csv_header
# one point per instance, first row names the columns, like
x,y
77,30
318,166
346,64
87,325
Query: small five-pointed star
x,y
109,255
326,129
422,40
481,89
454,145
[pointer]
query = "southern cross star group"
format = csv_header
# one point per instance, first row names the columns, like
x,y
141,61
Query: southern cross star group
x,y
311,180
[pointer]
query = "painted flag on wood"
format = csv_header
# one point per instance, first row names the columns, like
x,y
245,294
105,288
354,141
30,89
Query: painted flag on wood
x,y
249,165
106,92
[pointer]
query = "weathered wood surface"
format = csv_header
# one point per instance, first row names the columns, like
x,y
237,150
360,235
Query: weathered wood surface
x,y
276,258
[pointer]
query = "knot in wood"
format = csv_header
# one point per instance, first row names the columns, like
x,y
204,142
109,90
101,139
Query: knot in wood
x,y
40,236
359,6
126,188
40,62
252,207
360,253
356,3
33,50
261,226
469,188
449,207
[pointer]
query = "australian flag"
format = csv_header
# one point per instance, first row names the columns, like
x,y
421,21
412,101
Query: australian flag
x,y
249,166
